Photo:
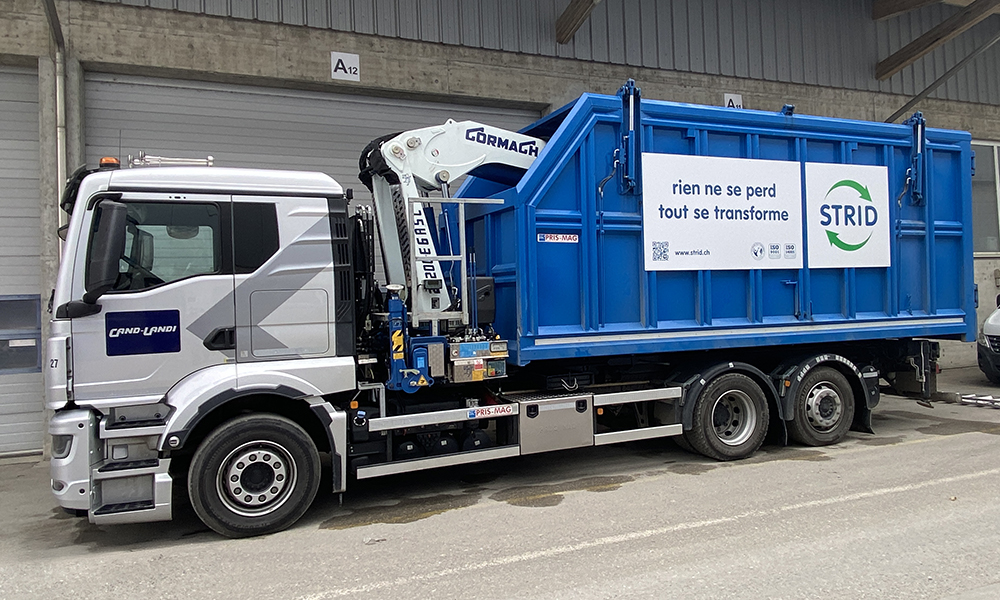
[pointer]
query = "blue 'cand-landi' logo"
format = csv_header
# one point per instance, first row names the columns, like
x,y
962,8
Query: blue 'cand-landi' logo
x,y
142,332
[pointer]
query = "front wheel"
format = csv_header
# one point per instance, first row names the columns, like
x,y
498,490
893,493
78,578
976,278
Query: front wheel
x,y
824,408
730,418
254,475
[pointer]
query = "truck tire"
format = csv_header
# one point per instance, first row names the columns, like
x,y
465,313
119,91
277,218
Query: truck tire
x,y
254,475
730,418
824,408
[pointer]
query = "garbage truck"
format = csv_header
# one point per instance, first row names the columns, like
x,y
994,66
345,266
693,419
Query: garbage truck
x,y
623,269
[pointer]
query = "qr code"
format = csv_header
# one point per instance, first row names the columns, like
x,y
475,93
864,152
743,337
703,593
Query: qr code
x,y
661,250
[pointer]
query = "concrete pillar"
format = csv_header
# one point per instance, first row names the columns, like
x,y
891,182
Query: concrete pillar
x,y
48,188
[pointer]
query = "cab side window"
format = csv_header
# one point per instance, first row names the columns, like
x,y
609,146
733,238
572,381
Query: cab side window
x,y
167,241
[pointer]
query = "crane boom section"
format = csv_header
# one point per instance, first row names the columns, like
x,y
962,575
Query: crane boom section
x,y
429,159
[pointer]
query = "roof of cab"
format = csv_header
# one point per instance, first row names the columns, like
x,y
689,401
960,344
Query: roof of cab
x,y
223,179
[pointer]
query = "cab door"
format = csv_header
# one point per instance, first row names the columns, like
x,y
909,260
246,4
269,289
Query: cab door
x,y
170,312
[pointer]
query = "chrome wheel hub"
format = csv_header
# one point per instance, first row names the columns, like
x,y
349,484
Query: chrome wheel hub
x,y
734,417
256,478
824,407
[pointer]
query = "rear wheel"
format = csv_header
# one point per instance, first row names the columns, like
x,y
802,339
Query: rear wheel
x,y
824,408
254,475
730,418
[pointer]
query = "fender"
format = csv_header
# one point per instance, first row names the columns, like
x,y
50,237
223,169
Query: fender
x,y
694,385
201,392
335,425
864,384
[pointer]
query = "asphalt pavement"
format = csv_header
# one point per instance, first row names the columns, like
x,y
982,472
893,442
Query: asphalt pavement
x,y
910,512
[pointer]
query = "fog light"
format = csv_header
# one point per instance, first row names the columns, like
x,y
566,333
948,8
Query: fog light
x,y
58,486
61,445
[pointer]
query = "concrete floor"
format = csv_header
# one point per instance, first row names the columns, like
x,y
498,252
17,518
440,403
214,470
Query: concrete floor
x,y
910,512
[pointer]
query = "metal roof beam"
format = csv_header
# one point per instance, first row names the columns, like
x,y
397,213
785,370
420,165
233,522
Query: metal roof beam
x,y
938,35
573,16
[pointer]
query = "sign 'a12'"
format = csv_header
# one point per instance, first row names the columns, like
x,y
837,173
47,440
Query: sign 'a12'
x,y
345,66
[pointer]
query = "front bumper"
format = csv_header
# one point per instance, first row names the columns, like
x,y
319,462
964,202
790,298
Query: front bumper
x,y
114,474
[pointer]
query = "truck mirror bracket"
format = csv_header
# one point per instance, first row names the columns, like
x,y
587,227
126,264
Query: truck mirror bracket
x,y
106,247
77,308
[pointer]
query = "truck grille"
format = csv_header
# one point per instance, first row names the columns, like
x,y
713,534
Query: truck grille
x,y
993,341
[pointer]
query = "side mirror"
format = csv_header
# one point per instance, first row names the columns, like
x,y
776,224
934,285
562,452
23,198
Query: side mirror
x,y
106,248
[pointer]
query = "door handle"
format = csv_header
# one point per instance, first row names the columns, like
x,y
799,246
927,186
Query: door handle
x,y
221,338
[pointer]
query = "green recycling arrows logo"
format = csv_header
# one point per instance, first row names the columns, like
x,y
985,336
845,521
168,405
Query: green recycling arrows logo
x,y
869,217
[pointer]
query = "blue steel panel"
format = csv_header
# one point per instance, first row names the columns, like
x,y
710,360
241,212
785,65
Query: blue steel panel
x,y
561,300
674,293
871,296
730,296
778,294
726,144
947,254
620,275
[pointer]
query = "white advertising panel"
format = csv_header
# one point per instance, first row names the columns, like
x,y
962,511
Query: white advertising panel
x,y
847,211
705,212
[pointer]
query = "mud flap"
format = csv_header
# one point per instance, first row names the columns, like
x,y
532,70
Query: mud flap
x,y
863,410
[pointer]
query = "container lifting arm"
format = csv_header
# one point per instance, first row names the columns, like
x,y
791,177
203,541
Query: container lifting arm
x,y
429,159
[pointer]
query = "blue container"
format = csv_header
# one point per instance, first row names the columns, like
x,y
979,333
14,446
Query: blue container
x,y
569,267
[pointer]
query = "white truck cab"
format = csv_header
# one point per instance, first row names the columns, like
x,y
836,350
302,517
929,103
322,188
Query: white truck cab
x,y
181,288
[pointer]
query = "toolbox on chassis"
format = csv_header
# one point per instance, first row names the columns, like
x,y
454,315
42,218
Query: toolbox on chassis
x,y
620,270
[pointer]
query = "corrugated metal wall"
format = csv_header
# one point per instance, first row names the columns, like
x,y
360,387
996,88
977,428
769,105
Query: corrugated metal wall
x,y
825,42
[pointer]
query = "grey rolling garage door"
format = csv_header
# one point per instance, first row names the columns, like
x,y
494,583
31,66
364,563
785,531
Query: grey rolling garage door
x,y
20,379
244,126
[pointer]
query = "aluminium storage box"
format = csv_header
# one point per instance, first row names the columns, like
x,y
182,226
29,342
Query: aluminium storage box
x,y
743,228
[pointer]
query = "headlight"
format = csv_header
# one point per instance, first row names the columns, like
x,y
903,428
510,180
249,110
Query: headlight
x,y
61,445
